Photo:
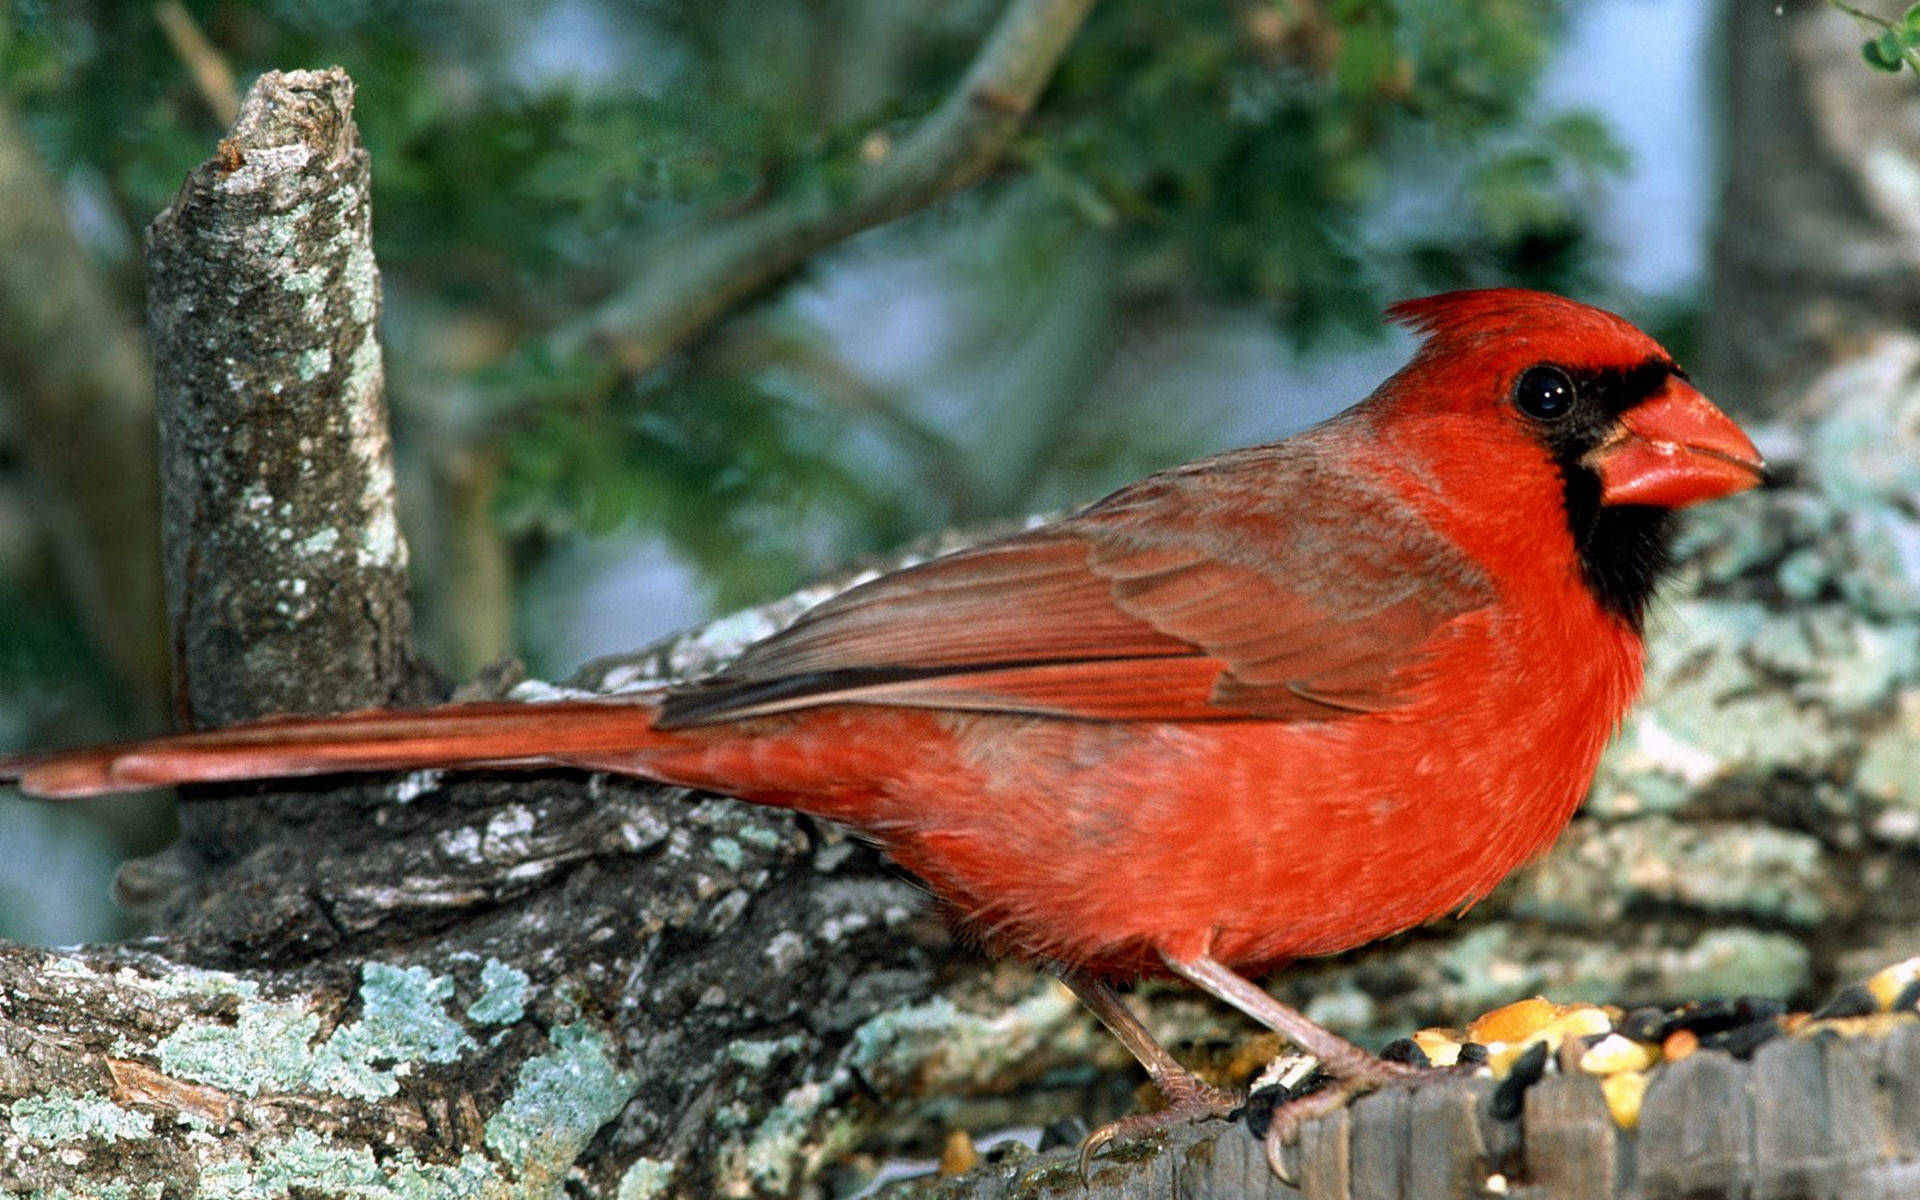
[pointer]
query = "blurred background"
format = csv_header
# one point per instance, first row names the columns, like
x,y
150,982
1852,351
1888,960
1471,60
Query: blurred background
x,y
1186,247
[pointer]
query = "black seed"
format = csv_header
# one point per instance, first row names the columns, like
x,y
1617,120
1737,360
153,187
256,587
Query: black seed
x,y
1645,1025
1760,1008
1257,1112
1258,1108
1511,1092
1473,1054
1705,1016
1742,1040
1909,998
1405,1050
1067,1131
1854,1000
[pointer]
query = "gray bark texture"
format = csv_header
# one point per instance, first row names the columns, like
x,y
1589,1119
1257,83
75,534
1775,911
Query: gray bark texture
x,y
558,984
1818,241
286,572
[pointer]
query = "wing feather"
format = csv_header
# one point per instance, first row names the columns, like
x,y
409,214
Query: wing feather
x,y
1262,584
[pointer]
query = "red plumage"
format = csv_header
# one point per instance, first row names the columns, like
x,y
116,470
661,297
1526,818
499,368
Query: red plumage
x,y
1274,703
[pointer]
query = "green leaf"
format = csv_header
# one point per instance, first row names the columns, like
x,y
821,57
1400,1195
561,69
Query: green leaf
x,y
1367,57
1912,20
1586,141
1880,56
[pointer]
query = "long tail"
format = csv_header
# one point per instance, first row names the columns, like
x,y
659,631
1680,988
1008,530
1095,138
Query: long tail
x,y
374,740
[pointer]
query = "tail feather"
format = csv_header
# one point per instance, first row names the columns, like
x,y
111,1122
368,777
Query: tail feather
x,y
374,740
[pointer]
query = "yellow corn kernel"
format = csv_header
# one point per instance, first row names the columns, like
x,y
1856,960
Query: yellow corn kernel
x,y
1887,985
1615,1053
1514,1022
1624,1091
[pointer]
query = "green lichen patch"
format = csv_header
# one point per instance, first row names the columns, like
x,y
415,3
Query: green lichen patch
x,y
268,1047
503,994
559,1100
403,1020
940,1046
727,852
271,1045
759,1054
1732,962
307,1163
791,1142
646,1179
1601,871
60,1116
115,1190
1483,970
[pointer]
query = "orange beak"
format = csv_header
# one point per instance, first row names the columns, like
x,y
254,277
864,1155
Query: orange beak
x,y
1673,450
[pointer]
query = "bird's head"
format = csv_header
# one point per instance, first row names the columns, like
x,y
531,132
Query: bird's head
x,y
1628,436
1599,395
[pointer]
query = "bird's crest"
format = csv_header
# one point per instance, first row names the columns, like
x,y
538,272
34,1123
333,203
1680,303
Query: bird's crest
x,y
1491,316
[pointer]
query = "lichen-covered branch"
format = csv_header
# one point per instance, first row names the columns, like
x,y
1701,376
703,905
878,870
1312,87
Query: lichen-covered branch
x,y
286,572
696,276
76,373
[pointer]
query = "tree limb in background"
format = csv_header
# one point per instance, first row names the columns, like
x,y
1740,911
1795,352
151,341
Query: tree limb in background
x,y
1817,243
212,77
694,277
73,363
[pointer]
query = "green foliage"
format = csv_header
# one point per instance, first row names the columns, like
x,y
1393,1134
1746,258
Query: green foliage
x,y
1247,151
1311,160
744,471
1897,44
51,678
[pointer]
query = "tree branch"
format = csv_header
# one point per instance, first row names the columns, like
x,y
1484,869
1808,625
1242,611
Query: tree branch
x,y
212,76
286,572
695,277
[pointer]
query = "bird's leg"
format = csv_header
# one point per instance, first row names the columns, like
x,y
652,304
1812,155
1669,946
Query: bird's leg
x,y
1356,1071
1188,1096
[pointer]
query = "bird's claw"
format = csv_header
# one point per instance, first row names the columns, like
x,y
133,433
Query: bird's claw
x,y
1285,1124
1187,1100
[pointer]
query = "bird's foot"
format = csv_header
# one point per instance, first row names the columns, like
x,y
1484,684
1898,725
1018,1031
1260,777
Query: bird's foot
x,y
1189,1098
1283,1127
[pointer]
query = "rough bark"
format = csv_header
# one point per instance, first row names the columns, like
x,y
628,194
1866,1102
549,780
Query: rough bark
x,y
286,572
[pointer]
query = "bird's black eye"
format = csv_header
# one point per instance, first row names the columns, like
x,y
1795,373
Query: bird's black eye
x,y
1544,393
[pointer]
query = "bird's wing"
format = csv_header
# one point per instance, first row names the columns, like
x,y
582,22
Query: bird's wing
x,y
1260,584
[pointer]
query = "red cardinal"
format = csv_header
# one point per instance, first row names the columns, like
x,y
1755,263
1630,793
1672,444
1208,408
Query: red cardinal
x,y
1274,703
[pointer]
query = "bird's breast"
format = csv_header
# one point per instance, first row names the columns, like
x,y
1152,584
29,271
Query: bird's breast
x,y
1103,843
